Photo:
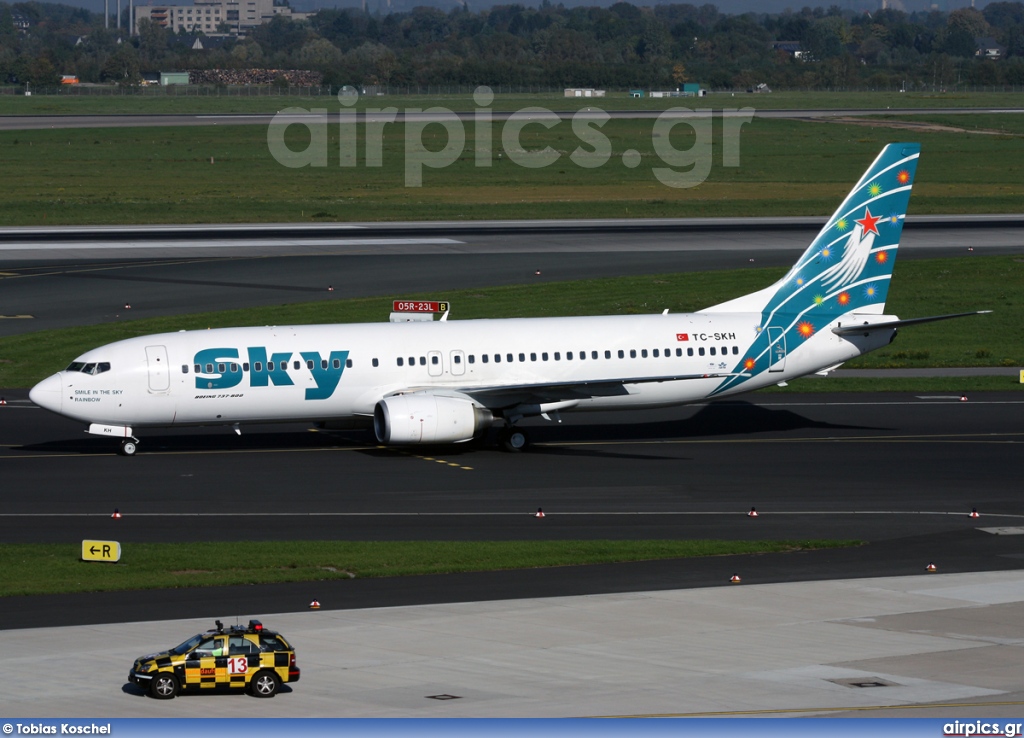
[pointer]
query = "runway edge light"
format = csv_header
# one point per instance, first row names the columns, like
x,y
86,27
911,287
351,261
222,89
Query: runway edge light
x,y
314,605
735,579
931,568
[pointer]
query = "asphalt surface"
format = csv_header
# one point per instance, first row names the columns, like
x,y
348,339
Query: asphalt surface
x,y
732,107
900,472
52,278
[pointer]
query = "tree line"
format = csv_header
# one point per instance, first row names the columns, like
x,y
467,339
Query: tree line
x,y
618,47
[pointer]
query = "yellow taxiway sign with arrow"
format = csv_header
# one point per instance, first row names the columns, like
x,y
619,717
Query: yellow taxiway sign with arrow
x,y
101,551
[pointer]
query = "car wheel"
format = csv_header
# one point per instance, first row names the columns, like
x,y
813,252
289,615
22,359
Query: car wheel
x,y
265,684
164,686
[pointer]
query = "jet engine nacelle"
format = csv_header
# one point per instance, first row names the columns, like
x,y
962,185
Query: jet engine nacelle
x,y
427,418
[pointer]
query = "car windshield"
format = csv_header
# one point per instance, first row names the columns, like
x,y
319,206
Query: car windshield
x,y
188,645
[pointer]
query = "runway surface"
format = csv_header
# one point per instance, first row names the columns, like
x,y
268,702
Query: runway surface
x,y
732,108
55,278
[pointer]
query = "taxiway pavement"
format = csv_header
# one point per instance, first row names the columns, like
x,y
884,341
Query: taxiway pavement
x,y
898,471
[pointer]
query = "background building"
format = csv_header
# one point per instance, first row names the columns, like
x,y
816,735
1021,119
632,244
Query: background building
x,y
214,17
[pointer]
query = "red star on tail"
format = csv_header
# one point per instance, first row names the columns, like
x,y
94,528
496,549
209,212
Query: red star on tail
x,y
867,223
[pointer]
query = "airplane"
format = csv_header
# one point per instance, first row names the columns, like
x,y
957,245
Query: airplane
x,y
449,381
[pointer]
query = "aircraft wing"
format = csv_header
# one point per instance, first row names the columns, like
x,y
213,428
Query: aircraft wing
x,y
504,395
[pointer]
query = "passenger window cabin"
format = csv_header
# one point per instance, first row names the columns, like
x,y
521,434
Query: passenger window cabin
x,y
456,359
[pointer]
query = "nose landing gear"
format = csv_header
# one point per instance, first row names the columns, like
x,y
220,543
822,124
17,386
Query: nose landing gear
x,y
130,443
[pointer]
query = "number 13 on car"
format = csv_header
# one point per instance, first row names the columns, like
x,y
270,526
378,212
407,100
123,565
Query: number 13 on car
x,y
238,665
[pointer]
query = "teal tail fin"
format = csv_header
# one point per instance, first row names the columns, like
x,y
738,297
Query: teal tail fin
x,y
845,270
848,266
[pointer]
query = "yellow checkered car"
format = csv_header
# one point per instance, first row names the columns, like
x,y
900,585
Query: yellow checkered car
x,y
236,658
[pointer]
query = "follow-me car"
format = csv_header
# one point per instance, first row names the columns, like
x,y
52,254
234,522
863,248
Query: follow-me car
x,y
234,659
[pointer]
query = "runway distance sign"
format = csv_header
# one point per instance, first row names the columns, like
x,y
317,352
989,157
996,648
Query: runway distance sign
x,y
101,551
422,306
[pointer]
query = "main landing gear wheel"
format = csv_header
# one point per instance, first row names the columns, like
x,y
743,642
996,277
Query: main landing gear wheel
x,y
513,439
128,447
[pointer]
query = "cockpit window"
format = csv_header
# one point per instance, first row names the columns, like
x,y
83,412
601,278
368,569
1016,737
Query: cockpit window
x,y
90,368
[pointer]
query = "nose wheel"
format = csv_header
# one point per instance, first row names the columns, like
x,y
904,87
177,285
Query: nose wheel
x,y
128,447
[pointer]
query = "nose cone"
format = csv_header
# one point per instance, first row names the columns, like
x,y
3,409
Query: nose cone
x,y
48,393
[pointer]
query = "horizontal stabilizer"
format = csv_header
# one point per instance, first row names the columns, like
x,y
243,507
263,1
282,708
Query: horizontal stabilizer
x,y
849,330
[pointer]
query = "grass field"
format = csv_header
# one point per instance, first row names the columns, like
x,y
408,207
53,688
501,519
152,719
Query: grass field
x,y
181,101
219,174
33,569
920,288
